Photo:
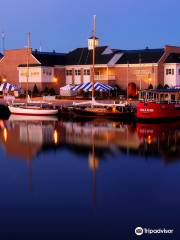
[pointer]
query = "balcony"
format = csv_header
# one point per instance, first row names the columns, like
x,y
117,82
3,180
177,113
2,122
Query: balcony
x,y
104,77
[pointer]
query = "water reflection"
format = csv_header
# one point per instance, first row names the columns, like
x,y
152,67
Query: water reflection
x,y
25,137
73,166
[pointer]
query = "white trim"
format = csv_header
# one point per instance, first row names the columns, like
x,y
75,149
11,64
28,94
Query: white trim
x,y
35,58
2,58
85,66
171,64
107,51
136,65
114,59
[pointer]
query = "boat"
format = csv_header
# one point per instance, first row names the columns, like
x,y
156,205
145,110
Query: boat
x,y
104,111
159,104
37,108
94,109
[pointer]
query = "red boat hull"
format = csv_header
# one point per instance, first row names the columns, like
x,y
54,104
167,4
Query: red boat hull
x,y
153,110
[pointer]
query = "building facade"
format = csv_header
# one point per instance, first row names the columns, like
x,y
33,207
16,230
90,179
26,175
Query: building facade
x,y
137,69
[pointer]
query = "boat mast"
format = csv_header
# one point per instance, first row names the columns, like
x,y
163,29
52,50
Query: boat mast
x,y
27,70
93,60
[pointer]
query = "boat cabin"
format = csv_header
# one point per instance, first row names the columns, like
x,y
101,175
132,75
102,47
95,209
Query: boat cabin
x,y
160,96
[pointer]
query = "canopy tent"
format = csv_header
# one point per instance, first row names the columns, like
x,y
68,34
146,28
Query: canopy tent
x,y
67,90
97,87
8,87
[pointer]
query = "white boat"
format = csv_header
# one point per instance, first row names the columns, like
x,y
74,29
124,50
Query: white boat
x,y
37,108
33,118
32,110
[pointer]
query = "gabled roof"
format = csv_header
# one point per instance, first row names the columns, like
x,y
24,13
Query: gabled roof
x,y
49,58
143,55
83,56
173,58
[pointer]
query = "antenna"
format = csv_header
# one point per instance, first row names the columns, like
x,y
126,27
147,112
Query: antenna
x,y
40,47
27,73
94,39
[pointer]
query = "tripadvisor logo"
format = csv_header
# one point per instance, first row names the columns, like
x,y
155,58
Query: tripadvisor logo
x,y
139,231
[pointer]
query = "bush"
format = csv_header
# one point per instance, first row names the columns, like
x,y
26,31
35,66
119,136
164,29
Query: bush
x,y
52,92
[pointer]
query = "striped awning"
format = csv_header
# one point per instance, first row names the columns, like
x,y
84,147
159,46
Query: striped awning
x,y
8,87
88,87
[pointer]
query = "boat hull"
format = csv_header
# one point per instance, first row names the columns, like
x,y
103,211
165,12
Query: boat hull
x,y
32,111
153,110
93,114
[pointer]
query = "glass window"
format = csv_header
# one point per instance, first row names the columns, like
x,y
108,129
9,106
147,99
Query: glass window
x,y
68,72
172,71
86,72
167,71
77,72
179,71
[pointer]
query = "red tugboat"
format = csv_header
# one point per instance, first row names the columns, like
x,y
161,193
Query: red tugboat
x,y
159,104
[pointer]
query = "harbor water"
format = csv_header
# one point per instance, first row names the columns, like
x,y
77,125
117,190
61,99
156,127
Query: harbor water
x,y
98,179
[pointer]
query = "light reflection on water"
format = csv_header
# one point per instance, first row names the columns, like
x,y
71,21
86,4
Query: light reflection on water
x,y
25,137
90,170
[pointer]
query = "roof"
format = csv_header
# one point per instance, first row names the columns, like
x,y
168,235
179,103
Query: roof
x,y
49,58
143,55
30,65
83,56
173,58
93,38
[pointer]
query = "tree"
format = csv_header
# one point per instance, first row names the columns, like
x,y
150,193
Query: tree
x,y
160,86
150,86
46,91
35,91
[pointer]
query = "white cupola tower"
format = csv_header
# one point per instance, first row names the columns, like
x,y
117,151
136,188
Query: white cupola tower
x,y
90,43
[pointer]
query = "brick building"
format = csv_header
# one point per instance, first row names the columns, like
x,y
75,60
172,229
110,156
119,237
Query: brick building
x,y
135,69
42,68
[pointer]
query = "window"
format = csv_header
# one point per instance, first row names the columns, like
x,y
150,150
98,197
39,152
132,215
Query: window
x,y
170,71
86,72
47,72
68,72
77,72
179,71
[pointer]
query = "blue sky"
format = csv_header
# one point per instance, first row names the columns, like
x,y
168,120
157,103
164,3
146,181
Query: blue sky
x,y
66,24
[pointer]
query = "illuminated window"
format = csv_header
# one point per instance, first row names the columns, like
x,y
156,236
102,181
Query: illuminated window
x,y
68,72
77,72
86,72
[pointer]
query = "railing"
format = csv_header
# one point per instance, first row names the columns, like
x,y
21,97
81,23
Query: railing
x,y
105,77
